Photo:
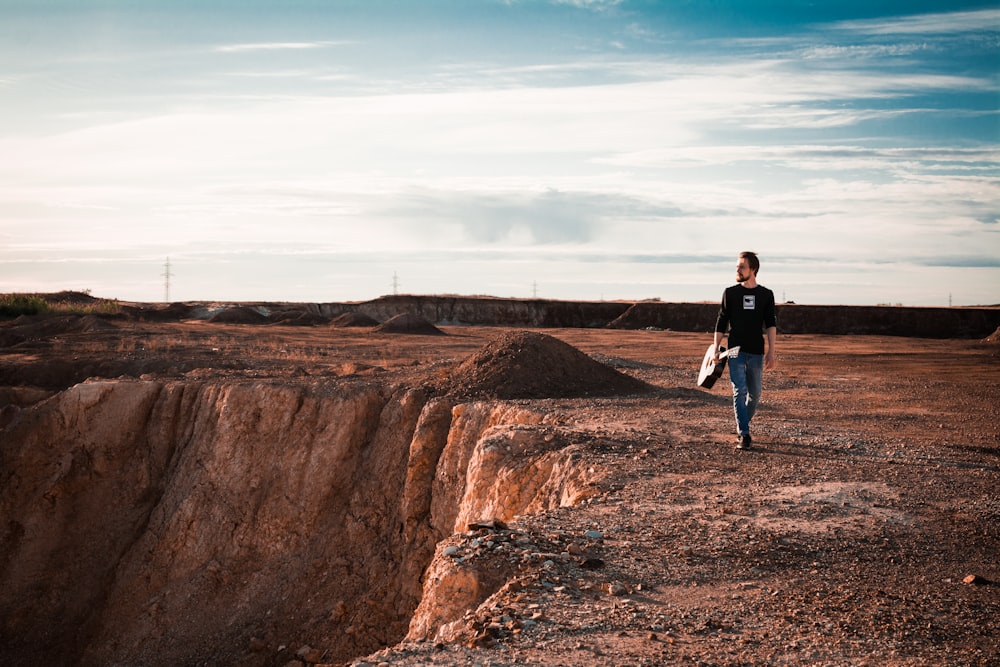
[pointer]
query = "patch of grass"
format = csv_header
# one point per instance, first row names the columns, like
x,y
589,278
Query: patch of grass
x,y
15,305
101,307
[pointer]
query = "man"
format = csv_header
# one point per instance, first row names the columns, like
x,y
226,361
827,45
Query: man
x,y
747,311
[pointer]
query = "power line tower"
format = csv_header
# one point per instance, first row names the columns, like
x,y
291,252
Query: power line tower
x,y
534,290
166,280
395,283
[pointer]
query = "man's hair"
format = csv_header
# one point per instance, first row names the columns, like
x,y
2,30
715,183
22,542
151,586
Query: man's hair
x,y
752,260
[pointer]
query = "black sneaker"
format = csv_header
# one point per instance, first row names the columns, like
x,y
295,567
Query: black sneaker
x,y
745,442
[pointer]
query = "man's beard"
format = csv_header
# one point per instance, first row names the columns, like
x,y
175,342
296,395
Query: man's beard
x,y
741,278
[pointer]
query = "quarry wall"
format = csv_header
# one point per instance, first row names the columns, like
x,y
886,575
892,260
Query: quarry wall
x,y
700,317
157,523
917,322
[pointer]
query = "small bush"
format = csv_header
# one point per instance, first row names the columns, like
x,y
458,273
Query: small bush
x,y
14,305
102,307
108,307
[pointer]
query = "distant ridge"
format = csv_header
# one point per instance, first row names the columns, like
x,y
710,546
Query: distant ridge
x,y
973,322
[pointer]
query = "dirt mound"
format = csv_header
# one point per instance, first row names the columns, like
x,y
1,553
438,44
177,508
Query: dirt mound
x,y
38,327
238,315
993,337
175,312
10,338
523,364
94,324
69,297
297,318
668,316
354,320
407,323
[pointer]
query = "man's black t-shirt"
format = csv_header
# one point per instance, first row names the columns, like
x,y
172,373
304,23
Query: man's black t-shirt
x,y
747,312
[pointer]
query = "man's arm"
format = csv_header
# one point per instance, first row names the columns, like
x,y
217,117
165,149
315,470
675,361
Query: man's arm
x,y
772,335
721,322
771,324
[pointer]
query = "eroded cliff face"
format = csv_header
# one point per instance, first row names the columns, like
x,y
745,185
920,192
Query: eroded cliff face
x,y
164,523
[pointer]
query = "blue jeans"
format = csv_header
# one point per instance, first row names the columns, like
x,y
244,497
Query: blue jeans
x,y
746,371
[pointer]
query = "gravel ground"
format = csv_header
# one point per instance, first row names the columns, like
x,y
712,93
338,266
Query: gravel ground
x,y
863,529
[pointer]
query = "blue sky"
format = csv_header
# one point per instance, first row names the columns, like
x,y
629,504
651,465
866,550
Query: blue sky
x,y
587,149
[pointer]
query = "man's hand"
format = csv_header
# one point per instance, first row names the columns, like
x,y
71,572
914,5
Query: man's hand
x,y
717,340
769,359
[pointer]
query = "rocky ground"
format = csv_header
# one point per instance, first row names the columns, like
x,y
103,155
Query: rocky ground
x,y
862,529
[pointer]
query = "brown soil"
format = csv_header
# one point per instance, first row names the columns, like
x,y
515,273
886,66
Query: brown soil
x,y
863,529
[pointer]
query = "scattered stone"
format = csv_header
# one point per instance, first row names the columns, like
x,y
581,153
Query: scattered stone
x,y
309,654
975,580
491,524
357,368
616,588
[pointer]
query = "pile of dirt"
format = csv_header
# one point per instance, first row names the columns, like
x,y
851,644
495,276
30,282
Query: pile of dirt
x,y
174,312
524,364
10,338
297,318
354,320
95,324
407,323
994,337
238,315
69,298
39,327
674,316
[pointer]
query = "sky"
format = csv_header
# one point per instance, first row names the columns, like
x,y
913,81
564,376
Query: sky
x,y
559,149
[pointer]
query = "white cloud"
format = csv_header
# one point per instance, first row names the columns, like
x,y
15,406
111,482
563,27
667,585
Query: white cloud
x,y
273,74
984,20
868,52
277,46
214,168
814,157
598,5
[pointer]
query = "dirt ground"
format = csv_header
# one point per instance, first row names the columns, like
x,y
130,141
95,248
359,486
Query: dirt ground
x,y
862,529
